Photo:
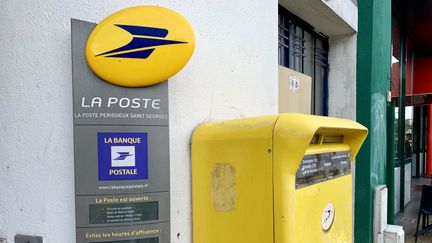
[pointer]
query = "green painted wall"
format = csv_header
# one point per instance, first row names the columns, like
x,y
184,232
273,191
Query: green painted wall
x,y
373,81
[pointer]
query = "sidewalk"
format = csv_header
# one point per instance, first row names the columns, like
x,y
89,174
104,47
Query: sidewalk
x,y
408,219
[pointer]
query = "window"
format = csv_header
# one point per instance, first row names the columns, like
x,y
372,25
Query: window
x,y
306,51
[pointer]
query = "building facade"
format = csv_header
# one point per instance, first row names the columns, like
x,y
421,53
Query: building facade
x,y
233,73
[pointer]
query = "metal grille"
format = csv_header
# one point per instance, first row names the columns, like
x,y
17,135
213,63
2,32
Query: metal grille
x,y
306,51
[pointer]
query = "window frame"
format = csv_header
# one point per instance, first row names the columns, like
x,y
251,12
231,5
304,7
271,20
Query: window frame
x,y
292,46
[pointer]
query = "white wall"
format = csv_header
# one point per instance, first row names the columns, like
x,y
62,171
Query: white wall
x,y
346,10
397,185
342,76
331,17
232,74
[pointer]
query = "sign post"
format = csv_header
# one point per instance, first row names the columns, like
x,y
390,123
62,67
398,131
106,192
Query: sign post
x,y
121,144
120,109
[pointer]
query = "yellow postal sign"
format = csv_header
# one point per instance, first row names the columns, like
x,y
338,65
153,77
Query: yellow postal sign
x,y
140,46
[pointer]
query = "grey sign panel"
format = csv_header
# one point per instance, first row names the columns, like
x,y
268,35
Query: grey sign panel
x,y
321,167
121,142
147,233
99,102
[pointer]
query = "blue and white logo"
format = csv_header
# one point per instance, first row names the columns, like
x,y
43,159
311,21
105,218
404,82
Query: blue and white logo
x,y
122,156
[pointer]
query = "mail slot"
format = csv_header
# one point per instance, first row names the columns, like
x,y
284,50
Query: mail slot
x,y
283,178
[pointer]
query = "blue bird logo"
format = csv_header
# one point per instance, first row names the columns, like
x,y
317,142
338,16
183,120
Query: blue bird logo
x,y
140,46
123,155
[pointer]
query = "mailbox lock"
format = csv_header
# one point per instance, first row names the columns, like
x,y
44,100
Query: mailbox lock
x,y
327,217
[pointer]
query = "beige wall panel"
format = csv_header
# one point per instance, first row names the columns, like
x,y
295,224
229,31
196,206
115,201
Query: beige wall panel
x,y
294,91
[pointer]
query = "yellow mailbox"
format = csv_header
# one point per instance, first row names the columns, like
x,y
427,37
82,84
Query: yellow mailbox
x,y
275,179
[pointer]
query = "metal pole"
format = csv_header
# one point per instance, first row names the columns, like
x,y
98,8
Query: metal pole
x,y
401,125
429,141
390,161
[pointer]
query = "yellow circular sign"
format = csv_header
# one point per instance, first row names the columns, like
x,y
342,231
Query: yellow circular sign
x,y
140,46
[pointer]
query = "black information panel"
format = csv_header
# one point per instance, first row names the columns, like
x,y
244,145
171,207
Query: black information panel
x,y
148,240
321,167
123,212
